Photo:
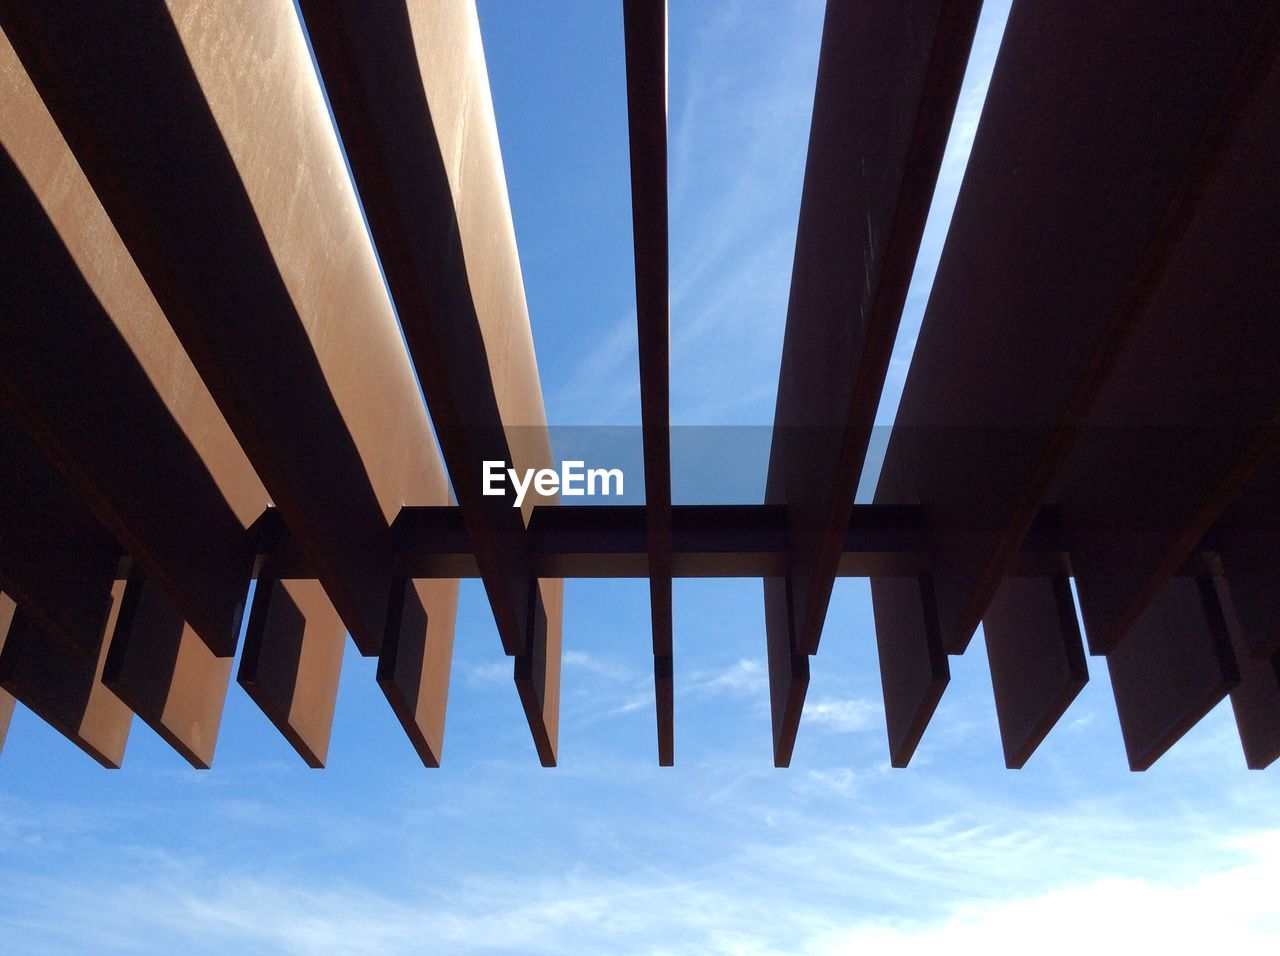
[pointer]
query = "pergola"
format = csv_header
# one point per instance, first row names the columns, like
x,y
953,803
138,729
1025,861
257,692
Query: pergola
x,y
236,255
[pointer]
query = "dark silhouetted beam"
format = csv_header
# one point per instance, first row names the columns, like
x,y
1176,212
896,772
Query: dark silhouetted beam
x,y
56,560
1193,406
1173,668
1072,207
888,79
1037,660
63,688
410,93
645,23
913,663
1256,699
788,666
723,541
1256,704
1247,539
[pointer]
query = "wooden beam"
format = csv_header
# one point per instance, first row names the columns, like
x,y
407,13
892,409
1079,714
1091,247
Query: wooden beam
x,y
6,716
913,663
1175,666
413,669
1193,406
727,541
1255,701
788,670
410,92
165,674
645,29
1247,540
7,607
81,347
56,560
1037,660
147,348
192,181
267,277
63,688
291,661
1072,205
888,79
537,672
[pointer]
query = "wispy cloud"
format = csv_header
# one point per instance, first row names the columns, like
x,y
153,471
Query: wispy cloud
x,y
740,120
839,781
631,704
602,386
1090,877
492,672
847,716
745,677
741,93
597,666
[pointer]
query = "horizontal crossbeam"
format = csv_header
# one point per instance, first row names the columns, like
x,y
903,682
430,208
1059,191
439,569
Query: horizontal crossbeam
x,y
707,541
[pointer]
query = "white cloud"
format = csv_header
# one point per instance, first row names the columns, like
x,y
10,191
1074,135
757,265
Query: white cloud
x,y
1232,910
840,780
1057,886
745,677
844,716
639,701
590,663
494,672
740,115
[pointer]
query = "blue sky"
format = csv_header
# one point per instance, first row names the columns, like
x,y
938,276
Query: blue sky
x,y
609,853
